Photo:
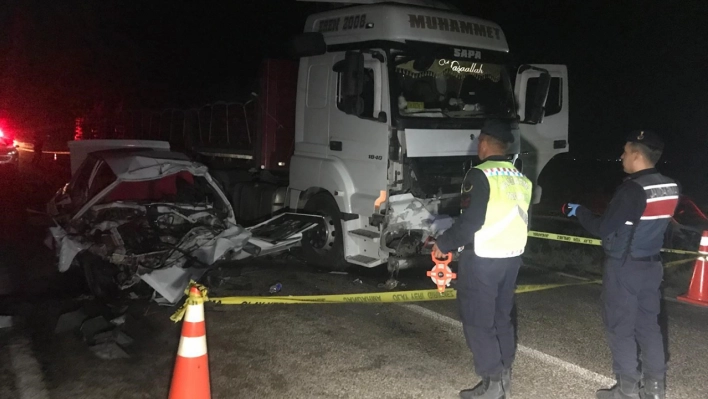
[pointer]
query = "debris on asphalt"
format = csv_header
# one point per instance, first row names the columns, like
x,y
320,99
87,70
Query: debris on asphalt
x,y
92,327
5,321
218,284
109,351
358,281
275,288
122,338
115,335
118,320
70,321
391,284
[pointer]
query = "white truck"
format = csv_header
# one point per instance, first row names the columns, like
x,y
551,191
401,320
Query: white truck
x,y
390,102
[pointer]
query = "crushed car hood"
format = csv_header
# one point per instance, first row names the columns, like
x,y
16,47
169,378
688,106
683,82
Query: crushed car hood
x,y
156,216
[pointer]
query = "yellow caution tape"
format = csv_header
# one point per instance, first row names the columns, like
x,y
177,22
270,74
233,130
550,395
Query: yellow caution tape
x,y
192,299
593,241
376,297
566,238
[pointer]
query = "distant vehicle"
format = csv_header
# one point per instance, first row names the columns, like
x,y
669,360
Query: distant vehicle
x,y
135,211
9,156
687,225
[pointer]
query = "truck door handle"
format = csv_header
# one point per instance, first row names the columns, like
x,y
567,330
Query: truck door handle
x,y
335,145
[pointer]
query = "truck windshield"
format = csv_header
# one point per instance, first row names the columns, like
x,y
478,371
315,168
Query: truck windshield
x,y
448,88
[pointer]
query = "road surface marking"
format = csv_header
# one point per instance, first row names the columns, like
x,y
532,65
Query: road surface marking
x,y
28,374
533,353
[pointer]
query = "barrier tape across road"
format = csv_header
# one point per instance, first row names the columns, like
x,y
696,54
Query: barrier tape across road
x,y
373,297
594,241
422,295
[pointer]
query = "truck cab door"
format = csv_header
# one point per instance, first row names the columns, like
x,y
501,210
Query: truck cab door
x,y
358,136
541,141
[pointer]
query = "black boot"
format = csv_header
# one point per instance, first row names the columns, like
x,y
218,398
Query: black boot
x,y
653,389
488,388
477,390
626,388
484,384
506,382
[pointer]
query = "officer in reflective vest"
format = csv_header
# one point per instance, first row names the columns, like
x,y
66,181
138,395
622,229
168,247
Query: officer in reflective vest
x,y
632,231
493,229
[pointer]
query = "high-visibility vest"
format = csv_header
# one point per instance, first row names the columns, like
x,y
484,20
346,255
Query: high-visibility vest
x,y
505,228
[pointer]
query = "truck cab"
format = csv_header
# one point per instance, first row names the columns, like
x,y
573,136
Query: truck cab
x,y
390,102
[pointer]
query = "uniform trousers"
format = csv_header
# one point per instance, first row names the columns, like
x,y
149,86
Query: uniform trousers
x,y
485,296
631,306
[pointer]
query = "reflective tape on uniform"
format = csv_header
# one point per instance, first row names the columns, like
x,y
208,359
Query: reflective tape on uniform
x,y
593,241
379,297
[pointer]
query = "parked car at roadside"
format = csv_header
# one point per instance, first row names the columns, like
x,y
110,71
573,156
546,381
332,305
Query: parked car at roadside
x,y
9,156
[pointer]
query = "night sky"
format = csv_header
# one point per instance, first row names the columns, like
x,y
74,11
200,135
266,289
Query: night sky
x,y
638,64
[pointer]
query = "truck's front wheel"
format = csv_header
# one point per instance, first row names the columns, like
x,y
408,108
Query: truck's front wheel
x,y
324,245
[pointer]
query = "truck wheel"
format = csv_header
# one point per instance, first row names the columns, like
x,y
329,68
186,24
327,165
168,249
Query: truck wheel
x,y
324,245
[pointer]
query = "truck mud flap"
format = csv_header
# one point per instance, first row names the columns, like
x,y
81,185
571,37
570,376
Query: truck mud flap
x,y
279,233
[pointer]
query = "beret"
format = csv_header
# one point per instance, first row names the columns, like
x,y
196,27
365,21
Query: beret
x,y
646,137
498,129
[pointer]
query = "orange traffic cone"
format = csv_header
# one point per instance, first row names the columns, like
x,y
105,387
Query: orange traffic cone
x,y
698,290
190,379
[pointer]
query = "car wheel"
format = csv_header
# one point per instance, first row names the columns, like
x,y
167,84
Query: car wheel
x,y
323,245
99,277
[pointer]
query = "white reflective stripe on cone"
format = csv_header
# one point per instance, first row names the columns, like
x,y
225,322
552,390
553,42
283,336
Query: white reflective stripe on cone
x,y
194,314
192,347
704,241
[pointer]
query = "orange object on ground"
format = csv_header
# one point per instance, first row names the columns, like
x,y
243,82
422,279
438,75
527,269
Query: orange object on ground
x,y
441,273
190,379
698,290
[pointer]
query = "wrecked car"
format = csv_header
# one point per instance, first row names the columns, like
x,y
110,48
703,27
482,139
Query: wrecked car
x,y
134,212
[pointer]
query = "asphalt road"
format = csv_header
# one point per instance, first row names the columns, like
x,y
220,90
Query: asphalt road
x,y
355,350
308,351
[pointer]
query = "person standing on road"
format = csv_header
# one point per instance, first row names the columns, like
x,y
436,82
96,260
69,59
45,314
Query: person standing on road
x,y
37,148
632,231
493,229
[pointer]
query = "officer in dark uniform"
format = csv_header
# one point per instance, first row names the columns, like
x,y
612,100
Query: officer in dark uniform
x,y
632,231
493,229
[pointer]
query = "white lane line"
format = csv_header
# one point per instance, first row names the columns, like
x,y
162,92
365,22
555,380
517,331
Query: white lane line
x,y
28,374
533,353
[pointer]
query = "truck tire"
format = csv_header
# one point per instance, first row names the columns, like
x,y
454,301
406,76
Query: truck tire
x,y
323,245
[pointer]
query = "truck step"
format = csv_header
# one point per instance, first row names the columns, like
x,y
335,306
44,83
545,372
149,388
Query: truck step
x,y
363,260
366,233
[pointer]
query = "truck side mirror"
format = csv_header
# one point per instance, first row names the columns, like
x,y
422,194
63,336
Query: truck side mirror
x,y
353,74
307,44
539,99
351,69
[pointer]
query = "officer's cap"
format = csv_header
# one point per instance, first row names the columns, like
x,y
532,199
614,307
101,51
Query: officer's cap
x,y
646,137
498,129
